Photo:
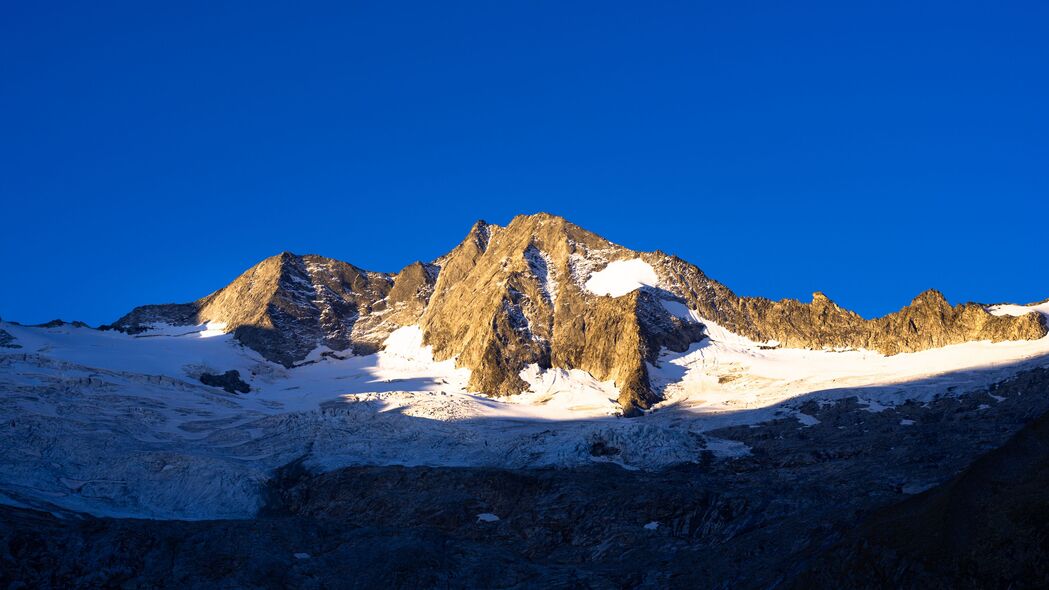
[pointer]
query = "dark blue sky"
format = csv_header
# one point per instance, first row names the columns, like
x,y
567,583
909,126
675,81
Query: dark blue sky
x,y
870,150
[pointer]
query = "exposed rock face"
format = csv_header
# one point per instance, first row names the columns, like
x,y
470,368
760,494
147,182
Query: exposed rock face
x,y
141,318
7,340
928,322
229,381
411,291
507,297
287,305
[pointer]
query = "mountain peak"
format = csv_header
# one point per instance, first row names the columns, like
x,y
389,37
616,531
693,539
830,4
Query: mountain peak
x,y
507,297
819,298
930,297
285,306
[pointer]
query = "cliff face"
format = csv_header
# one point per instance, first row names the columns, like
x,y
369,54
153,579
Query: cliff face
x,y
928,322
507,297
510,296
288,305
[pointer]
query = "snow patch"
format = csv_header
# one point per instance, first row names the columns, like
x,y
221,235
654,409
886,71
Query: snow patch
x,y
212,329
404,348
874,406
679,310
205,330
1018,310
806,420
541,265
582,261
622,277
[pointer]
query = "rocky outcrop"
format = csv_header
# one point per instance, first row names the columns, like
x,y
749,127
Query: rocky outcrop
x,y
507,297
928,322
230,381
514,295
412,288
142,318
7,340
286,306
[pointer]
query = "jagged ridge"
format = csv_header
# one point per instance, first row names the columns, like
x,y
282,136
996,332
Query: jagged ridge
x,y
507,297
287,305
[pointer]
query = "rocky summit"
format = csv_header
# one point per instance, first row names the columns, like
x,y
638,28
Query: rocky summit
x,y
544,291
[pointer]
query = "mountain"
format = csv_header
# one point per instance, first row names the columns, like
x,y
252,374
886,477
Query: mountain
x,y
287,305
316,424
547,292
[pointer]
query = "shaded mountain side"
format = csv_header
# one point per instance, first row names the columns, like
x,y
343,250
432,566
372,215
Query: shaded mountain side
x,y
287,305
511,296
986,528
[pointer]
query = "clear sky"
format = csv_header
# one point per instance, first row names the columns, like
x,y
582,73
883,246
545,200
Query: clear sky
x,y
150,152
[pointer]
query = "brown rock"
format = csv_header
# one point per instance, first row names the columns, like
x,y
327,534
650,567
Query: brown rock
x,y
286,306
506,297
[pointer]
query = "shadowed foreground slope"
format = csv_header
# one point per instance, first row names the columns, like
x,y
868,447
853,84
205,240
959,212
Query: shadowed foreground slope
x,y
753,522
987,528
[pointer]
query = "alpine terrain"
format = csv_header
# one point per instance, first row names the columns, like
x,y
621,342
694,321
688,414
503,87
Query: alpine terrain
x,y
539,407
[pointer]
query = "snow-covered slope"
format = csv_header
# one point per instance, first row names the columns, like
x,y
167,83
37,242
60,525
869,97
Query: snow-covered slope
x,y
621,277
109,423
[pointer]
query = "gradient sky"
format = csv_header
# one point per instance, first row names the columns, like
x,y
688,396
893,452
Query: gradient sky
x,y
150,152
